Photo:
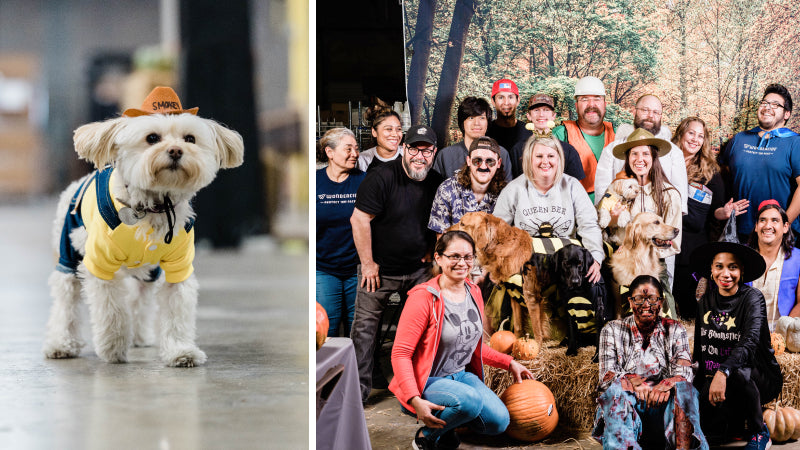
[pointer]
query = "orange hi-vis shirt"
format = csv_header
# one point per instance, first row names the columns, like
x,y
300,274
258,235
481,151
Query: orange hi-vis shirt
x,y
588,158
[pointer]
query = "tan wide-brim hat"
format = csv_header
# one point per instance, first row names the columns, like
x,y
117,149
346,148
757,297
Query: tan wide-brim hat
x,y
162,100
640,136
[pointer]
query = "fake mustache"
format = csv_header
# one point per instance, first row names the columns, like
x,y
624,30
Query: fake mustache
x,y
482,170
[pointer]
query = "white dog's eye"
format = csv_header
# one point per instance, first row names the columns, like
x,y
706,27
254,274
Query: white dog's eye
x,y
153,138
189,138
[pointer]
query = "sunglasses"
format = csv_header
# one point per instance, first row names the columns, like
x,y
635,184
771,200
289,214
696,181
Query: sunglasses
x,y
490,162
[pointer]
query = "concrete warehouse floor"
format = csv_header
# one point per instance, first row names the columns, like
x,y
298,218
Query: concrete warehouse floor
x,y
252,323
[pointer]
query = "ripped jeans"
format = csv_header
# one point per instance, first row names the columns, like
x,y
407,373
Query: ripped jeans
x,y
621,419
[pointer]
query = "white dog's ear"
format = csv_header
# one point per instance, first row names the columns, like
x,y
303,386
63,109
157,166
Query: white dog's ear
x,y
230,147
94,141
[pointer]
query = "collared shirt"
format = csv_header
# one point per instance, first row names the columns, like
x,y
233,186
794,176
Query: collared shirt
x,y
621,352
452,201
768,285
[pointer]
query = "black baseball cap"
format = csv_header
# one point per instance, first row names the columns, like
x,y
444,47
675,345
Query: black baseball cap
x,y
420,133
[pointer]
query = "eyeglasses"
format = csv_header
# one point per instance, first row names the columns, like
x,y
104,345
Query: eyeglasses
x,y
639,300
414,151
584,99
490,162
770,105
648,111
456,258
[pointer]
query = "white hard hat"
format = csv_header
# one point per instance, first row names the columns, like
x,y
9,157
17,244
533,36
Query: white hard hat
x,y
590,86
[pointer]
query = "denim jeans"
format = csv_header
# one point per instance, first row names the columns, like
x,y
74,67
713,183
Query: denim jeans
x,y
468,402
621,419
337,294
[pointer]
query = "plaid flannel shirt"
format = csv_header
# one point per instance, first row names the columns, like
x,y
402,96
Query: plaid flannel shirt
x,y
621,352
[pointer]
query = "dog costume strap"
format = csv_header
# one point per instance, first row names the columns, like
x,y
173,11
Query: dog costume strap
x,y
105,204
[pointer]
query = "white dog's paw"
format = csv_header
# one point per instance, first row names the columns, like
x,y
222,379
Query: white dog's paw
x,y
189,357
623,220
112,352
67,348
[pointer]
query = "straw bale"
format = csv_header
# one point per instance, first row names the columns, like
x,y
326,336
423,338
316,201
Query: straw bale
x,y
790,366
572,379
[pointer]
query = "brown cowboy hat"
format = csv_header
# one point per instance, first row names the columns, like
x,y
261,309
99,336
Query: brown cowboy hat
x,y
640,136
162,100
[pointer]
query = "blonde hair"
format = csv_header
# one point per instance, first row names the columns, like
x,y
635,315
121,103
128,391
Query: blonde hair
x,y
703,165
527,155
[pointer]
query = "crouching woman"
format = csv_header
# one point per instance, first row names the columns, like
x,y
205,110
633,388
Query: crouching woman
x,y
646,392
438,353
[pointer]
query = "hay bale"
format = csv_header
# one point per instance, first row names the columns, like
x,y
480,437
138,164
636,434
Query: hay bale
x,y
572,379
790,366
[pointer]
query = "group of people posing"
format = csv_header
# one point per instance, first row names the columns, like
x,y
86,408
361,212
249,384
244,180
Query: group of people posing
x,y
382,219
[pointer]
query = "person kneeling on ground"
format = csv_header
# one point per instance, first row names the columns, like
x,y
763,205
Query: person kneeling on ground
x,y
737,370
438,351
646,390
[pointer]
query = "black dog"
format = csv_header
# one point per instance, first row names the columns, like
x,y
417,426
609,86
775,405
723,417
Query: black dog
x,y
582,299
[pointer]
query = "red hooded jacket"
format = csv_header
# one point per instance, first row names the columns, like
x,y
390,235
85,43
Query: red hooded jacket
x,y
417,340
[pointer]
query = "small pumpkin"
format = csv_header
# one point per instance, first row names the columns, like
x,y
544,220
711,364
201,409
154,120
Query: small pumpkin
x,y
502,340
525,348
789,327
782,422
778,343
322,324
532,409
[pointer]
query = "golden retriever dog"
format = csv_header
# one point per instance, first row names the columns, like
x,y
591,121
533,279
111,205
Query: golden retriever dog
x,y
639,252
504,250
622,190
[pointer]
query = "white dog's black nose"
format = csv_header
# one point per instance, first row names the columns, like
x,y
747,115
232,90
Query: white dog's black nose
x,y
175,153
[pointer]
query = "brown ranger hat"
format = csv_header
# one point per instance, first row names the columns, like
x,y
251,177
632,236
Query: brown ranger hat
x,y
640,136
162,100
540,99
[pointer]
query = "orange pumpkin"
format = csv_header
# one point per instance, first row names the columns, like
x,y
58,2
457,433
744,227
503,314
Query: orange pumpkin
x,y
525,348
502,340
782,423
532,409
322,325
778,343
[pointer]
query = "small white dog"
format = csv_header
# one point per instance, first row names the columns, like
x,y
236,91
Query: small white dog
x,y
119,227
622,190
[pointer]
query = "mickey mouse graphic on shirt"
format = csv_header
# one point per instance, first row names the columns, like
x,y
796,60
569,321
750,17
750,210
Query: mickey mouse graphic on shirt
x,y
469,329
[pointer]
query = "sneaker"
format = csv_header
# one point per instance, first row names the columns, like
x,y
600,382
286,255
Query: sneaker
x,y
420,442
760,440
449,441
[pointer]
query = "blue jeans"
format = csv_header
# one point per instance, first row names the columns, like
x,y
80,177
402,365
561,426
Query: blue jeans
x,y
468,402
621,419
337,294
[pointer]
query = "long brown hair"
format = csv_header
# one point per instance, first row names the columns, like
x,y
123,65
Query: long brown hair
x,y
703,165
660,182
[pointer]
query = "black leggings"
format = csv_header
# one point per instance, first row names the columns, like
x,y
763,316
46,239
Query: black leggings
x,y
742,405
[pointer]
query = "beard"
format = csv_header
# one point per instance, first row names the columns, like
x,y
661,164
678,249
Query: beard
x,y
653,126
417,175
770,122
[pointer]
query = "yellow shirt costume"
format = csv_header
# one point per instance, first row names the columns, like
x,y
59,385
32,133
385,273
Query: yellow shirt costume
x,y
111,244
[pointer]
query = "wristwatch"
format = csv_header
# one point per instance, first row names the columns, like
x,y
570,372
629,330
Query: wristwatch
x,y
725,371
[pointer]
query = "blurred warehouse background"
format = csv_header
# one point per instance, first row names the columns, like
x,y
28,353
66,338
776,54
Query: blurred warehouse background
x,y
245,64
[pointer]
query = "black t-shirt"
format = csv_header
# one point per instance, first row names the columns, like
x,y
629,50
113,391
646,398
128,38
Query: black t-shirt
x,y
402,207
572,160
507,136
700,217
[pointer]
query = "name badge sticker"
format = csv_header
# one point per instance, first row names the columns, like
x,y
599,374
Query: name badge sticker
x,y
700,193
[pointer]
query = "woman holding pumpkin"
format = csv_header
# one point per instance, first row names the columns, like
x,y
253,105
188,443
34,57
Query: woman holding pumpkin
x,y
737,371
438,353
774,240
646,390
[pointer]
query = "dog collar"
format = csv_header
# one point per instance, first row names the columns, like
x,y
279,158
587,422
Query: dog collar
x,y
130,215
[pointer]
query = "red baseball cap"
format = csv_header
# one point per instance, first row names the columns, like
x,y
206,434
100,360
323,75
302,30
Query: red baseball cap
x,y
504,85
